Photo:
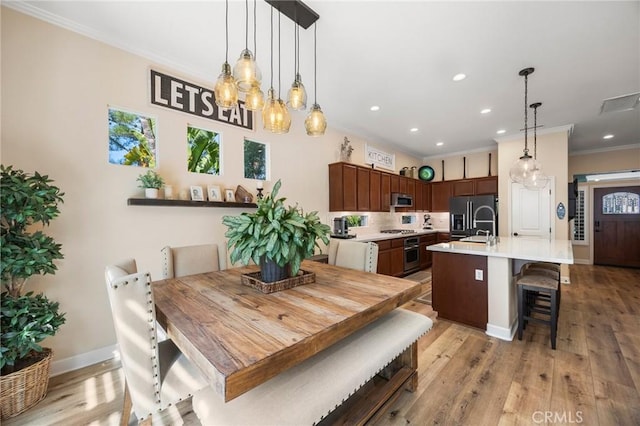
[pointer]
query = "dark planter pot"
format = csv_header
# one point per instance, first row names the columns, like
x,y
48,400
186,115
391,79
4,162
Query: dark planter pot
x,y
271,271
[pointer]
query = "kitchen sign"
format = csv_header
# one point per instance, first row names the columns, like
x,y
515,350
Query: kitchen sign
x,y
174,93
378,158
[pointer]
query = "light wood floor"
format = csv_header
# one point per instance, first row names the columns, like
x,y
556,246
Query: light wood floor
x,y
465,377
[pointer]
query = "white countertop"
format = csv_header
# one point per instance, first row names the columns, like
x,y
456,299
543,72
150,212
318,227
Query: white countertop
x,y
377,236
536,249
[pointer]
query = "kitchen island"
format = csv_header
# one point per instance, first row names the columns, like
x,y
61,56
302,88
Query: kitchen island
x,y
475,276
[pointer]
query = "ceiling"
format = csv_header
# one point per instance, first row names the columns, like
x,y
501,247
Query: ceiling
x,y
401,56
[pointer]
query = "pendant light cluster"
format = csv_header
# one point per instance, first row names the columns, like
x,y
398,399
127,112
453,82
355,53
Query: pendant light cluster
x,y
527,170
246,78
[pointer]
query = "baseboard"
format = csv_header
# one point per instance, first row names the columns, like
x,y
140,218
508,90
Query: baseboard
x,y
83,360
502,333
582,261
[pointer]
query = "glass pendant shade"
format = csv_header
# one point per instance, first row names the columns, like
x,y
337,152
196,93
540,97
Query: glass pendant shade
x,y
246,71
275,116
254,100
522,169
283,119
315,123
536,180
297,99
225,90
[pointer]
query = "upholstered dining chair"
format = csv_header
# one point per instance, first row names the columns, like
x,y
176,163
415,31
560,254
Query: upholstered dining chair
x,y
354,255
189,260
157,374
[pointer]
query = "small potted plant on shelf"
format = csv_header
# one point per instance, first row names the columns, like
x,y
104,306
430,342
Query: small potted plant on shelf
x,y
26,319
151,182
275,237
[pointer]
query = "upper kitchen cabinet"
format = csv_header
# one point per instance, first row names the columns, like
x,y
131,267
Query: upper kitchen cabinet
x,y
385,192
375,190
363,187
440,194
343,190
463,187
486,185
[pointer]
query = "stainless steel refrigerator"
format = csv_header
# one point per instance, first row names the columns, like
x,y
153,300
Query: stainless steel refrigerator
x,y
471,214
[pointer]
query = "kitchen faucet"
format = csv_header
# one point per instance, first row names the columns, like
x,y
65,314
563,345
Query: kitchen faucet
x,y
492,221
483,231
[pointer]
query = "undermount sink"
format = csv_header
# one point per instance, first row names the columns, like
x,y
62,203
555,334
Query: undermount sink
x,y
474,239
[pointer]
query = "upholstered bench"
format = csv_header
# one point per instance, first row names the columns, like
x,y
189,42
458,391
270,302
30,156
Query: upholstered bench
x,y
306,393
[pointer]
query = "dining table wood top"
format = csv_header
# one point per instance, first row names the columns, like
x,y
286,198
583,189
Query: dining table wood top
x,y
240,337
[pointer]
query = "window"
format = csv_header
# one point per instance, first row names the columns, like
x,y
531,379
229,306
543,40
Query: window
x,y
580,234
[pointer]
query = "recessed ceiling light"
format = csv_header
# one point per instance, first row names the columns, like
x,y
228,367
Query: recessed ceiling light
x,y
413,129
459,77
375,108
501,131
485,111
609,136
440,144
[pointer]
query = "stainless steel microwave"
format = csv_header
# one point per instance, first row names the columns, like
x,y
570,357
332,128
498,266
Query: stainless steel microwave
x,y
401,200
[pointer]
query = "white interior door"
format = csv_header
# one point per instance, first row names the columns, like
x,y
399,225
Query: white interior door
x,y
531,212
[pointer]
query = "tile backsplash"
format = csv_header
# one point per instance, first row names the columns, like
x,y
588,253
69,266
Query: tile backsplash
x,y
382,220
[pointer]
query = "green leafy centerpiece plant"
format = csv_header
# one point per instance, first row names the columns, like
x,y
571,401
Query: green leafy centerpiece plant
x,y
151,182
26,319
275,236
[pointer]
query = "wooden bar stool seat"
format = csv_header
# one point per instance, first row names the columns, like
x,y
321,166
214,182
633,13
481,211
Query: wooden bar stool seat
x,y
539,293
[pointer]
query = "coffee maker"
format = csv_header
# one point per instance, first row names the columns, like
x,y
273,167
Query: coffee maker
x,y
427,222
340,227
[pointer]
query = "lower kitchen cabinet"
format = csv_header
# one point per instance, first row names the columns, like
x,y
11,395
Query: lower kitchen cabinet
x,y
443,237
458,294
426,255
391,257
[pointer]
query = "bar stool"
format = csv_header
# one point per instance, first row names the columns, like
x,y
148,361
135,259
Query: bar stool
x,y
539,292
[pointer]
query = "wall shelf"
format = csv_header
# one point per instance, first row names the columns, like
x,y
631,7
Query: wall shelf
x,y
186,203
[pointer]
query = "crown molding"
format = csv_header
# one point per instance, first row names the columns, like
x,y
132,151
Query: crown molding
x,y
604,149
518,136
51,18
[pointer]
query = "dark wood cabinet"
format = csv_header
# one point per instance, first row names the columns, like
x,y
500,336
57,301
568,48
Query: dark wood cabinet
x,y
375,198
343,187
391,257
440,194
426,255
463,187
486,185
426,196
443,237
457,293
385,192
395,183
363,188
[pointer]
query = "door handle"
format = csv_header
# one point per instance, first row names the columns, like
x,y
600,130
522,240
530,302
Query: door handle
x,y
596,226
515,234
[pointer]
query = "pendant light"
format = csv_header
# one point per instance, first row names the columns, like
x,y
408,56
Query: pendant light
x,y
246,70
297,98
254,100
536,179
315,123
271,110
521,169
226,90
281,118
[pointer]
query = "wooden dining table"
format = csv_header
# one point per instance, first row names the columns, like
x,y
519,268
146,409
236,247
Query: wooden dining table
x,y
240,337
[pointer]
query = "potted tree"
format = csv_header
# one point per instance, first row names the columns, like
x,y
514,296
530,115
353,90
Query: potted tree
x,y
275,237
151,182
26,319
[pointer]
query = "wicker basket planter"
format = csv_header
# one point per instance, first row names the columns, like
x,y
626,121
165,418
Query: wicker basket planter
x,y
24,388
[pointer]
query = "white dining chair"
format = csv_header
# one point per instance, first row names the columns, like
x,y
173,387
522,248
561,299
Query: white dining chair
x,y
354,255
189,260
157,374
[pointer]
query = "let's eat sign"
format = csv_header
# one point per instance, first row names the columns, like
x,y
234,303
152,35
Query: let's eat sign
x,y
174,93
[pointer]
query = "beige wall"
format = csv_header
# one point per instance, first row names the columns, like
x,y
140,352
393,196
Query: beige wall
x,y
597,162
56,88
477,165
552,152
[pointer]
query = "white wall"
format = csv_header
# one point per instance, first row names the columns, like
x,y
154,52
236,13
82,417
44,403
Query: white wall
x,y
56,89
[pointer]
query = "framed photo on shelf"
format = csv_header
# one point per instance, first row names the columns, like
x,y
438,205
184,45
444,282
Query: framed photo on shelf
x,y
229,195
197,194
213,193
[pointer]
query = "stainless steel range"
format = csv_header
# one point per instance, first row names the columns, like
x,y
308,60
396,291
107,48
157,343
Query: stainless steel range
x,y
398,231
